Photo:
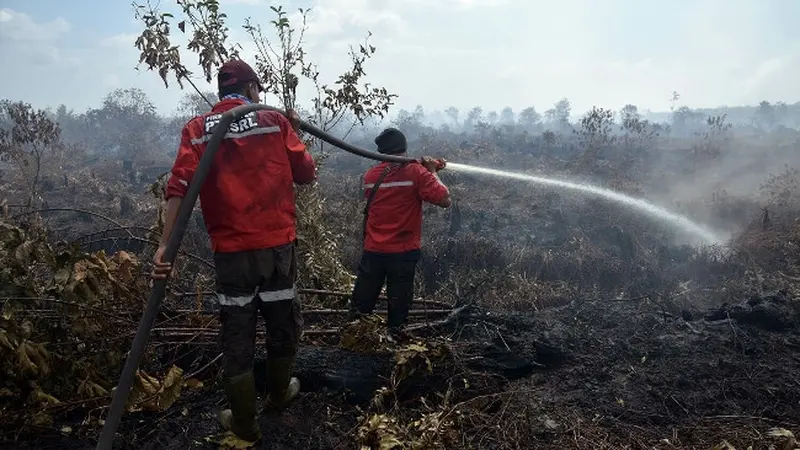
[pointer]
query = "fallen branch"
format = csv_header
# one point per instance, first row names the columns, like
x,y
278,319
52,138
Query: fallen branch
x,y
214,333
454,316
108,230
178,332
76,403
113,314
382,297
210,313
413,312
329,293
151,242
202,369
74,210
325,312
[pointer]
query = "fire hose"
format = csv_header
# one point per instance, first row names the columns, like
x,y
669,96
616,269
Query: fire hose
x,y
120,395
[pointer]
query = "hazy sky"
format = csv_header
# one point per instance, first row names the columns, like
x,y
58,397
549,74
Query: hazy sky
x,y
438,53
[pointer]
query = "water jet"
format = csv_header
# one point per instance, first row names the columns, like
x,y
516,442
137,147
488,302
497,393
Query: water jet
x,y
705,235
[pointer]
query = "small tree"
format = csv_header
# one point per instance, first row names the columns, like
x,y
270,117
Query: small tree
x,y
281,63
780,191
193,104
685,120
30,138
452,113
126,125
558,115
595,134
410,123
715,139
474,117
629,114
637,133
529,119
507,116
765,115
673,100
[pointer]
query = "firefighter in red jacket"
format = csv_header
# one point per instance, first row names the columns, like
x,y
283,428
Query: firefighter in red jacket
x,y
393,228
248,207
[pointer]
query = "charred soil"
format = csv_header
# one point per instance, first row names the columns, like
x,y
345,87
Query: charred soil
x,y
621,373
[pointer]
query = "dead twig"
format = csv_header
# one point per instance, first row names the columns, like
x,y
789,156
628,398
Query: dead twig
x,y
423,301
451,318
112,314
74,210
202,369
151,242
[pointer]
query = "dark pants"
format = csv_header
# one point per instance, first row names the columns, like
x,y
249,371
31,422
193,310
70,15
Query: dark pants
x,y
253,282
397,271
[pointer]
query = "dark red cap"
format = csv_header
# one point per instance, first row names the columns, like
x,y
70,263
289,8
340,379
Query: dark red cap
x,y
236,72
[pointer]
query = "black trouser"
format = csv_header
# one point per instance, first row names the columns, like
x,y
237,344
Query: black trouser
x,y
397,270
253,282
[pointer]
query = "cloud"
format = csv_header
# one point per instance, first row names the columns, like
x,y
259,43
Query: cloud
x,y
491,53
120,41
54,66
338,17
773,79
453,4
548,50
23,40
225,3
19,27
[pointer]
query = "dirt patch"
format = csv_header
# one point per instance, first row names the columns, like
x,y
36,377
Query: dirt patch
x,y
635,376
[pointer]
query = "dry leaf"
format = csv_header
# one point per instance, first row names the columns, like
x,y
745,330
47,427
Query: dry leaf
x,y
23,253
152,395
194,383
230,441
43,399
724,445
33,358
125,265
90,389
789,442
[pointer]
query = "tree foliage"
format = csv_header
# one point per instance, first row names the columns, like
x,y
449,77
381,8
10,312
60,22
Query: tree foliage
x,y
281,61
47,361
29,137
127,125
529,119
558,115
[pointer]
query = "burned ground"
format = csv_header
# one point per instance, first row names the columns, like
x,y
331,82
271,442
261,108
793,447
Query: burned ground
x,y
597,374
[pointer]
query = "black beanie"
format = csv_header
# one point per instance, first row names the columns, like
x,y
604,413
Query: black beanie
x,y
391,141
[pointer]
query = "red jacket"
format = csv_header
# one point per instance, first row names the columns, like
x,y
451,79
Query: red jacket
x,y
248,197
394,221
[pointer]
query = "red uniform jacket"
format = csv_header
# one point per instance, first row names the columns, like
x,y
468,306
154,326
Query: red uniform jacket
x,y
394,221
248,197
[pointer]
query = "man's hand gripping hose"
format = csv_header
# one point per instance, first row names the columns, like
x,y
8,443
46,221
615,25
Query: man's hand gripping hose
x,y
433,165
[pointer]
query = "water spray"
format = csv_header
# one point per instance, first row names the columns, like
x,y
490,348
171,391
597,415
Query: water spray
x,y
705,235
122,391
